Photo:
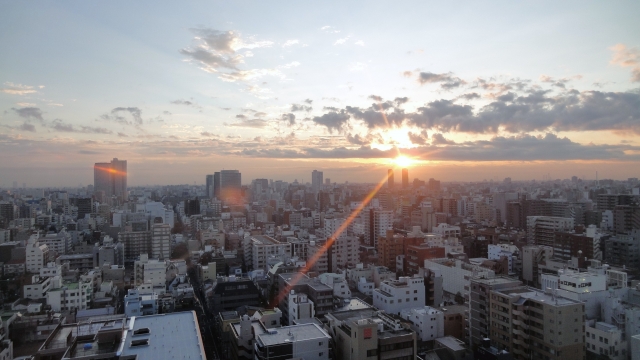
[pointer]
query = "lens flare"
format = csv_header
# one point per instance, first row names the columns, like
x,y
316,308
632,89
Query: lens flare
x,y
403,161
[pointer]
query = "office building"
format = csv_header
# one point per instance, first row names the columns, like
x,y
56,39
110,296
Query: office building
x,y
216,185
230,185
135,244
405,178
111,178
209,186
316,181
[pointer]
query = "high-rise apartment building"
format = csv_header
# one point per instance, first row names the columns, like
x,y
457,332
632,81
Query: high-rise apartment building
x,y
390,181
209,186
111,178
532,324
405,178
230,184
316,180
161,241
377,224
216,184
541,229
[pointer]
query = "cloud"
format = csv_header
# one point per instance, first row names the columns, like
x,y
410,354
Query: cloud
x,y
549,147
289,43
447,81
302,107
290,118
18,89
358,140
418,138
342,40
218,50
536,111
332,120
357,66
27,127
627,57
470,96
359,43
60,126
122,135
329,29
116,116
249,123
29,113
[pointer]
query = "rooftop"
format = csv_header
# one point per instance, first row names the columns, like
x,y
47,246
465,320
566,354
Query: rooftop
x,y
168,336
265,240
527,293
292,333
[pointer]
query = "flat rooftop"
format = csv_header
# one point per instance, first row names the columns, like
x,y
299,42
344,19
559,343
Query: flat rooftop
x,y
174,335
527,293
292,333
265,240
495,280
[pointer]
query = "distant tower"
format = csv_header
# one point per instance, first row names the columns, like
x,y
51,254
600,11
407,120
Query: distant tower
x,y
405,178
216,184
111,178
316,180
209,186
230,184
390,178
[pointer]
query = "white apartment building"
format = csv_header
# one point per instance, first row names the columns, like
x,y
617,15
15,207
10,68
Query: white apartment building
x,y
495,252
606,339
304,341
300,307
38,288
151,271
37,255
69,296
456,274
161,241
52,269
446,230
394,295
427,322
59,243
264,247
345,248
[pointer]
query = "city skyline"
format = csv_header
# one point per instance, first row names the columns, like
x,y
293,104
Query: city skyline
x,y
482,91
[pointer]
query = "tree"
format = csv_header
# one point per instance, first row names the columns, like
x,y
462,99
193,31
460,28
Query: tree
x,y
180,252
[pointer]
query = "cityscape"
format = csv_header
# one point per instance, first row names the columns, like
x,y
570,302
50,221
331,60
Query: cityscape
x,y
320,181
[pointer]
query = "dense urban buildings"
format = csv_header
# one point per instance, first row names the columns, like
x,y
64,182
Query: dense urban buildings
x,y
320,269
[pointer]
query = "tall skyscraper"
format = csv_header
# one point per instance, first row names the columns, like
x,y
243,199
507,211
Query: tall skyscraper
x,y
216,184
405,178
230,184
209,186
390,178
316,180
111,178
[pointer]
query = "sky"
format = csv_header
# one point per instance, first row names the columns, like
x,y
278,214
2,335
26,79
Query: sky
x,y
465,91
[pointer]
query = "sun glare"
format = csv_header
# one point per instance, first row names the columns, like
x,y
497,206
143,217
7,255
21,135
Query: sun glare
x,y
403,161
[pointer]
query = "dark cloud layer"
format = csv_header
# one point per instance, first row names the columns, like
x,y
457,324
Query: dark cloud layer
x,y
513,148
29,113
533,110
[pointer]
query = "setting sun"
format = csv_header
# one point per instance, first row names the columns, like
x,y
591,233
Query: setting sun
x,y
403,161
